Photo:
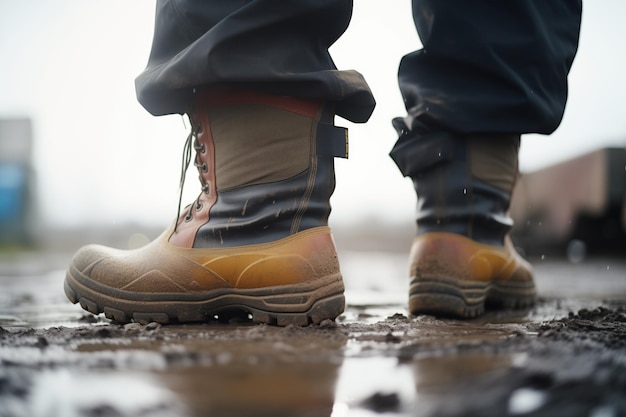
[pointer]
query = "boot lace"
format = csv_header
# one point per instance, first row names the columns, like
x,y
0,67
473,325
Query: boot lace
x,y
191,142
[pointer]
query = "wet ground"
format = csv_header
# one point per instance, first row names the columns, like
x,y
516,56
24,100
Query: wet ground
x,y
565,357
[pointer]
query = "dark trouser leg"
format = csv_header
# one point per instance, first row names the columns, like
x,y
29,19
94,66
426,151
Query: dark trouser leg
x,y
275,46
490,67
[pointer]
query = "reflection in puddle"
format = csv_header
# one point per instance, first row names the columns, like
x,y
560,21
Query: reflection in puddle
x,y
367,386
262,389
275,386
78,394
436,374
526,400
454,385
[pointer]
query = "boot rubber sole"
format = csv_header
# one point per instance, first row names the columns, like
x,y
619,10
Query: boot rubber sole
x,y
467,299
298,304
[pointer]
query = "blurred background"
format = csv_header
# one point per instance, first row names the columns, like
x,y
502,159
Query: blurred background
x,y
81,161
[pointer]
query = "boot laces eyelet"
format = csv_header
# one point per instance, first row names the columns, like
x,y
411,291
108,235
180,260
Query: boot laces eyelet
x,y
191,143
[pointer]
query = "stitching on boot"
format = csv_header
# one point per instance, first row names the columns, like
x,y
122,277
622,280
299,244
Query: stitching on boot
x,y
295,225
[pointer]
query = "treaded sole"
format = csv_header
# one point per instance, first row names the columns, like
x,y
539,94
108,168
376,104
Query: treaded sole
x,y
298,305
455,298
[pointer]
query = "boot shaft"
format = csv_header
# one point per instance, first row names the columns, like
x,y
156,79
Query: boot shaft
x,y
266,169
463,182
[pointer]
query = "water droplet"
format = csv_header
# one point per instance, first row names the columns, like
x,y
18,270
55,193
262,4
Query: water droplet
x,y
576,251
464,190
608,267
526,400
543,257
439,154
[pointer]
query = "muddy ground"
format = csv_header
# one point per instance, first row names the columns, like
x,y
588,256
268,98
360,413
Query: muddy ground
x,y
564,357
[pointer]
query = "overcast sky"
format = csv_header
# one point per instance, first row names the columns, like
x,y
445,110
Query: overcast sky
x,y
99,156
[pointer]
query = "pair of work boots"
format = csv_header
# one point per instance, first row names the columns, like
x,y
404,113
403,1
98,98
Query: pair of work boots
x,y
256,240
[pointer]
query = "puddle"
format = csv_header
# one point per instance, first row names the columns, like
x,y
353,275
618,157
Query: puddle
x,y
367,386
526,400
258,388
38,301
564,357
84,393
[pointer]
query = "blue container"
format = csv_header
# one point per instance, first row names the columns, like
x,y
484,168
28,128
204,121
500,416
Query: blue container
x,y
12,191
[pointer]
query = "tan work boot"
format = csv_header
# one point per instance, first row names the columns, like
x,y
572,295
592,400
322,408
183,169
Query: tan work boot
x,y
256,240
453,275
462,258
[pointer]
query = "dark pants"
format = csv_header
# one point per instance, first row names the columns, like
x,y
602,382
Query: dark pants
x,y
486,65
